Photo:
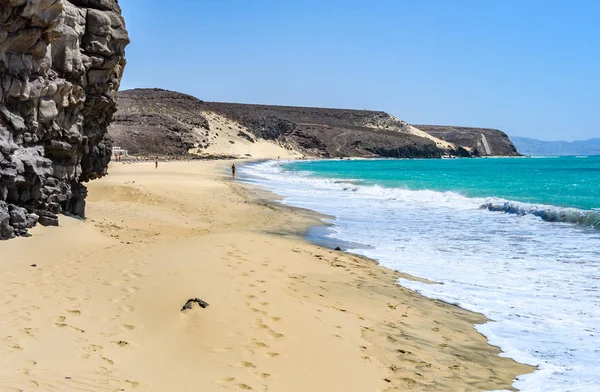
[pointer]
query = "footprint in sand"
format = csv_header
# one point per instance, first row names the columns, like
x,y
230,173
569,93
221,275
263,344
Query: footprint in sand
x,y
127,308
30,331
132,384
247,364
74,312
132,290
108,361
277,335
127,327
121,343
260,344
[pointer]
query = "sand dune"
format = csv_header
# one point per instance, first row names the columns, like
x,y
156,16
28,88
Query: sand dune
x,y
101,308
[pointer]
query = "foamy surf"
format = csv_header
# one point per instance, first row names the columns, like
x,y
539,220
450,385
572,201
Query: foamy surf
x,y
585,218
536,280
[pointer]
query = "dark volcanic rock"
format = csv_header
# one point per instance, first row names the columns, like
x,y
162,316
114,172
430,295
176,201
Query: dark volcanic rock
x,y
61,63
474,138
330,132
158,122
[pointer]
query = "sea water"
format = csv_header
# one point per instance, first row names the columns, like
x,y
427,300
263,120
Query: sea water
x,y
516,239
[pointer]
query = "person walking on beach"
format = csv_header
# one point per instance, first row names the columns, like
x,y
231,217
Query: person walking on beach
x,y
233,170
156,163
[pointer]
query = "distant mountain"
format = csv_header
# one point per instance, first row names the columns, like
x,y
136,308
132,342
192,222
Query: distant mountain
x,y
527,146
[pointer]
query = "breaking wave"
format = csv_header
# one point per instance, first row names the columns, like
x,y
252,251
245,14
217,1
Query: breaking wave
x,y
586,218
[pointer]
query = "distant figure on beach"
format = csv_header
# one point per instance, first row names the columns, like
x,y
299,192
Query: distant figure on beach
x,y
233,170
156,163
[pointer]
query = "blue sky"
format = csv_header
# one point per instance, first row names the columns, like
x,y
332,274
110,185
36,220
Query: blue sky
x,y
530,68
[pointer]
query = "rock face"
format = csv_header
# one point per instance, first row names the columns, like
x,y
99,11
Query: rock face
x,y
331,132
61,63
159,122
478,141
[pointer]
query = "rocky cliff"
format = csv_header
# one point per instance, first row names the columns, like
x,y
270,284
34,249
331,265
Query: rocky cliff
x,y
160,122
333,132
61,63
156,122
478,141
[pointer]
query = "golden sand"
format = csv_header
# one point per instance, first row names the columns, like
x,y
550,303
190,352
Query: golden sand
x,y
101,310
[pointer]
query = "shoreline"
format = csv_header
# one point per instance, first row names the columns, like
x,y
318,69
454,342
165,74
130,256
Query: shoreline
x,y
103,308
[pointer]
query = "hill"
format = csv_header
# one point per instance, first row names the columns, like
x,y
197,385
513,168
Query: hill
x,y
483,141
159,122
529,146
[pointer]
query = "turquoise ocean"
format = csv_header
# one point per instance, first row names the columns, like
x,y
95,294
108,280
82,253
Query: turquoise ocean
x,y
517,239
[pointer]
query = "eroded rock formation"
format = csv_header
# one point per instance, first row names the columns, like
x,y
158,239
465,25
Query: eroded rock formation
x,y
477,141
61,63
160,122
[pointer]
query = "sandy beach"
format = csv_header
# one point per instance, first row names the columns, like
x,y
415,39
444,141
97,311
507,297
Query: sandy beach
x,y
95,305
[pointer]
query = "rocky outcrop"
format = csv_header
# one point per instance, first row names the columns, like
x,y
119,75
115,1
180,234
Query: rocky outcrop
x,y
61,63
331,133
159,122
475,141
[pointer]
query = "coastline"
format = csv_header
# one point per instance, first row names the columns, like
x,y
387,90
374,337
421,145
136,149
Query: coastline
x,y
284,314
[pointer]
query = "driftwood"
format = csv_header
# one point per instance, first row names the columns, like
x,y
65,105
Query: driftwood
x,y
190,303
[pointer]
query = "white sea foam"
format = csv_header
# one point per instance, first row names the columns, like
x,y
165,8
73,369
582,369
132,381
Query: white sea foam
x,y
586,218
538,281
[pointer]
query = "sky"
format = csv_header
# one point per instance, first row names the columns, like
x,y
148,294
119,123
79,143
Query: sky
x,y
530,68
